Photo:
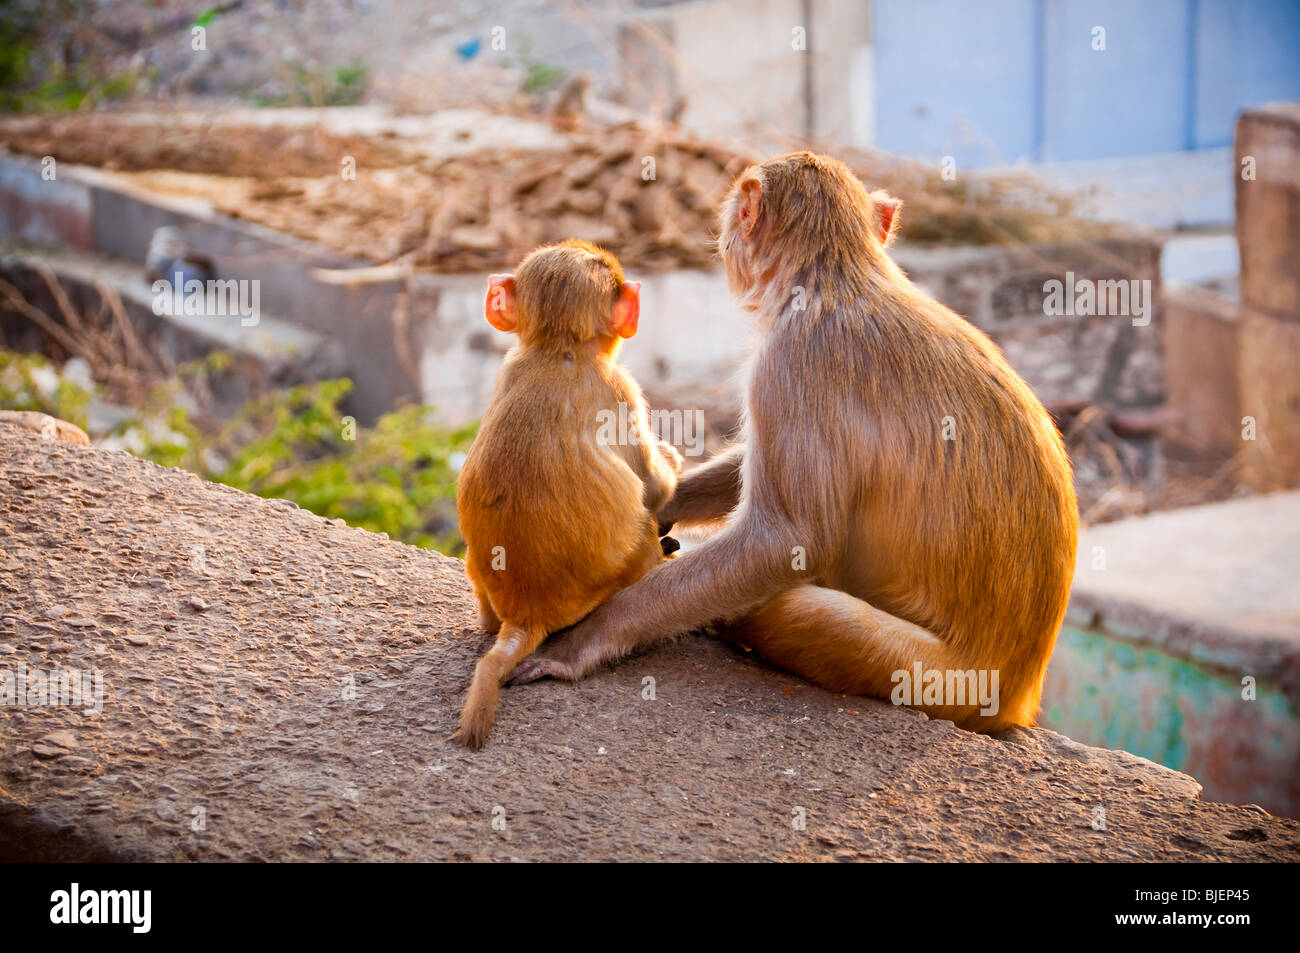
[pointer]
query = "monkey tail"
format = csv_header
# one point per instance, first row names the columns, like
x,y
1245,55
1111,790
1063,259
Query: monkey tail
x,y
515,642
847,645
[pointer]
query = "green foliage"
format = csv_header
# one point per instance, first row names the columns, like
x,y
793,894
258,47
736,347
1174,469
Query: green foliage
x,y
48,64
14,64
341,86
19,33
70,90
205,18
349,84
396,477
30,382
542,77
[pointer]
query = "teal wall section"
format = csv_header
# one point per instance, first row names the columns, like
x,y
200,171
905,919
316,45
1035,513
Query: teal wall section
x,y
1104,691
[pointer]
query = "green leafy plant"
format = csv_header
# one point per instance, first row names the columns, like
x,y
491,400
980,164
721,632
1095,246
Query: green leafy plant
x,y
30,382
51,62
342,86
396,477
542,77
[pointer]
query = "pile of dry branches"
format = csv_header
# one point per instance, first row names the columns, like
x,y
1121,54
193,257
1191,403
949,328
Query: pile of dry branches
x,y
648,193
103,337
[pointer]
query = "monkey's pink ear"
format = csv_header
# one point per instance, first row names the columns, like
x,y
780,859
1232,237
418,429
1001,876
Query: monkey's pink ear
x,y
748,204
886,207
499,305
627,309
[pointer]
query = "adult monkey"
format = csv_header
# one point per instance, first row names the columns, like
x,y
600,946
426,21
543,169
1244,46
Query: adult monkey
x,y
900,495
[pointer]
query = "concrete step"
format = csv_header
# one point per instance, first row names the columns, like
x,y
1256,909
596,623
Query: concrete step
x,y
90,210
267,350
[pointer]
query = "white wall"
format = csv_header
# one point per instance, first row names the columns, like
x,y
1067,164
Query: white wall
x,y
735,64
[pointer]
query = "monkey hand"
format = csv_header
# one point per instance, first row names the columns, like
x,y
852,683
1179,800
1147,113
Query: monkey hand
x,y
670,455
667,516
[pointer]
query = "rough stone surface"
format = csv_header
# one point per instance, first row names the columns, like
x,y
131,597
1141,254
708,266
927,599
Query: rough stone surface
x,y
226,628
1172,616
1101,359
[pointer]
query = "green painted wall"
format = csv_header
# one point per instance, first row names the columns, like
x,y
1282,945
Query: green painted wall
x,y
1103,691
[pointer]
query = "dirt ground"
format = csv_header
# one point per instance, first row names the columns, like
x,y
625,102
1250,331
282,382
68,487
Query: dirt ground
x,y
116,143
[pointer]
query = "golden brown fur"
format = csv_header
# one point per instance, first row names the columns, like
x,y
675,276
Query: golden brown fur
x,y
955,553
556,519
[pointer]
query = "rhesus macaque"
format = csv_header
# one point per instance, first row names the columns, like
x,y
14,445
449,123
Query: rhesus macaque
x,y
555,514
899,496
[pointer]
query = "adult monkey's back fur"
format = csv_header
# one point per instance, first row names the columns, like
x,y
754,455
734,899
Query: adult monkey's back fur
x,y
889,442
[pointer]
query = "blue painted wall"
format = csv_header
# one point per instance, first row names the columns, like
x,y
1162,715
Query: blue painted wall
x,y
996,81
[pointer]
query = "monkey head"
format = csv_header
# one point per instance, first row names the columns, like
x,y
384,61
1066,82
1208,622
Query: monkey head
x,y
790,218
563,296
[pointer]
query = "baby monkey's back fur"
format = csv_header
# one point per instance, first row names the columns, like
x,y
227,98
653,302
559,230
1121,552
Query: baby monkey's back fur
x,y
555,516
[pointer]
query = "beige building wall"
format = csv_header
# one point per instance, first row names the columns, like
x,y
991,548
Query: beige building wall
x,y
736,68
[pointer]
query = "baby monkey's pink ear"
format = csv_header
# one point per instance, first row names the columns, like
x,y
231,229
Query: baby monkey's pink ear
x,y
499,306
627,309
886,207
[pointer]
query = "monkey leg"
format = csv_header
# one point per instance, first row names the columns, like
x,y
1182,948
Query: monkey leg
x,y
846,645
488,620
514,644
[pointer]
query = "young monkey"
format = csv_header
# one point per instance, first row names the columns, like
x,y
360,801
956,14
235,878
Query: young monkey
x,y
556,516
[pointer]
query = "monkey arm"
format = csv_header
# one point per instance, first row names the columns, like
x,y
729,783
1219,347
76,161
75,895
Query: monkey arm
x,y
662,463
655,461
707,493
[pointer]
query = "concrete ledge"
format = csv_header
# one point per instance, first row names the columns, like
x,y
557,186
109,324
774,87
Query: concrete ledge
x,y
90,210
1169,613
277,687
1201,344
1101,359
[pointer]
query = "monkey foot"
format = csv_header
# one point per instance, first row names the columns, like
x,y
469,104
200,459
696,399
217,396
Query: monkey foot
x,y
532,669
470,739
